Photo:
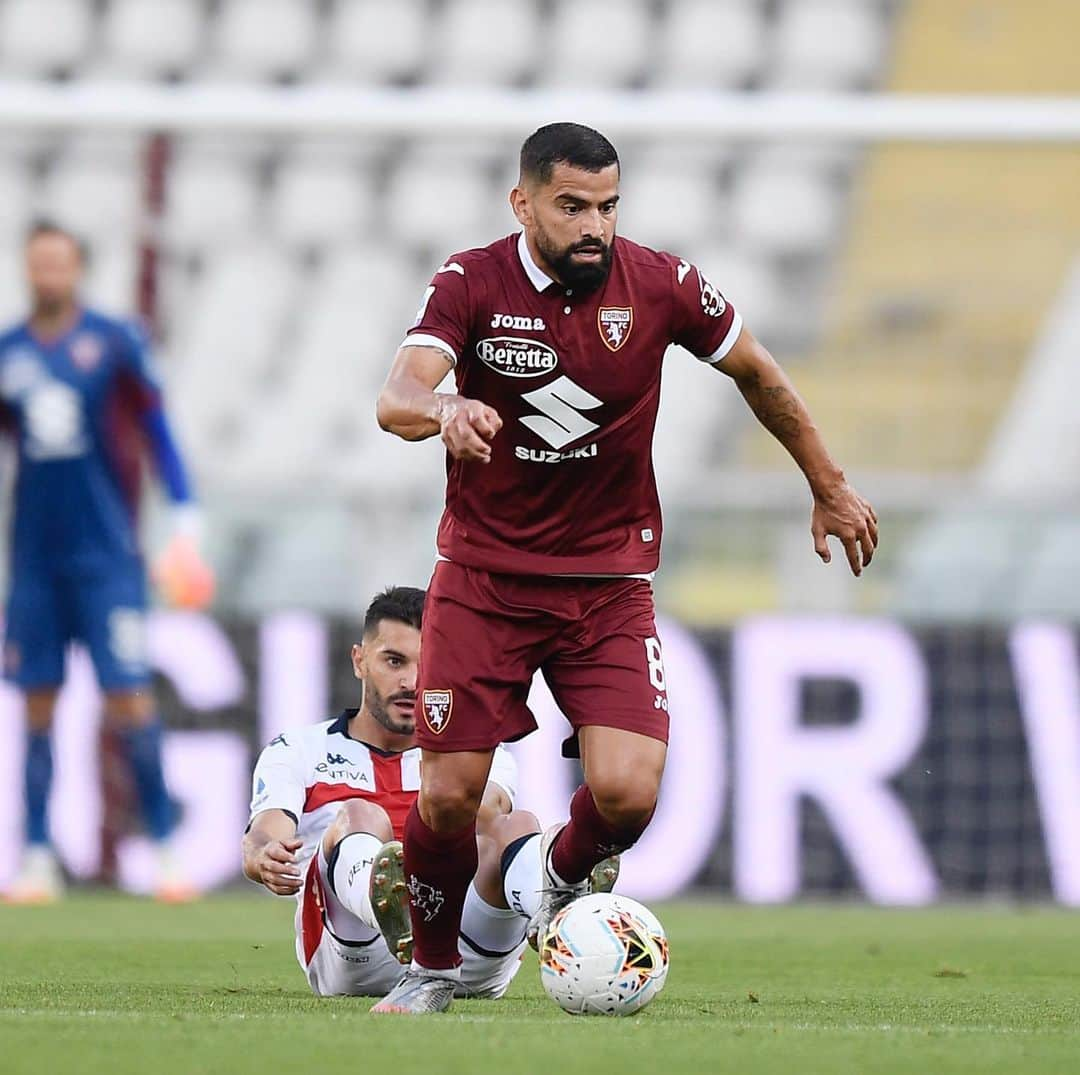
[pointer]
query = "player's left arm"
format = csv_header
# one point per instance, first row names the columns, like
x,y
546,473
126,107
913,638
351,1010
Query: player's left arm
x,y
839,511
179,571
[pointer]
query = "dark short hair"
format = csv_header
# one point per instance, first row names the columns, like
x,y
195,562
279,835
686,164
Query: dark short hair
x,y
47,226
403,604
565,143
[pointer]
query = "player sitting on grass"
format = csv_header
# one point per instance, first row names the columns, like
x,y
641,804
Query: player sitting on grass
x,y
328,805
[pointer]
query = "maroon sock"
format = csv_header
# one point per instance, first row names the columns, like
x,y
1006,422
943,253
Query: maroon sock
x,y
588,839
438,869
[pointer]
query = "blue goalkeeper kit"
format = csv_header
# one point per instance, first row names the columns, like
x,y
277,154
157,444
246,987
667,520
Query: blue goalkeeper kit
x,y
82,407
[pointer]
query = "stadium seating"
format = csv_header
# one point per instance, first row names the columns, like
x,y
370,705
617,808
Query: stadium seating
x,y
425,181
214,197
826,44
15,199
375,41
12,291
112,273
666,177
150,38
783,209
316,201
587,44
44,37
711,43
263,39
291,268
97,194
485,42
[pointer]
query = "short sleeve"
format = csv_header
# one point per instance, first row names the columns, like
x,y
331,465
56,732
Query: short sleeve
x,y
443,318
136,363
504,772
278,780
703,321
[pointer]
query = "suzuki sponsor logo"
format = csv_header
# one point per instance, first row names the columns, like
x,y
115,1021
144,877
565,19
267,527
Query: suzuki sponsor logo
x,y
560,404
517,358
518,324
541,455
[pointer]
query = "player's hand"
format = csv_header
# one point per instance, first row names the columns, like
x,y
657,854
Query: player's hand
x,y
277,866
843,514
183,576
467,427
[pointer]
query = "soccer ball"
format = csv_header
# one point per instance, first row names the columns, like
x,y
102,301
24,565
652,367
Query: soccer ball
x,y
604,955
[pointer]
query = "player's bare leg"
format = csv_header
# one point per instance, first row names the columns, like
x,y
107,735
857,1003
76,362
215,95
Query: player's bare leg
x,y
608,813
440,861
39,879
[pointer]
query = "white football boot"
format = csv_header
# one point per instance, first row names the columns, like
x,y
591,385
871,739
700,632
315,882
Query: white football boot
x,y
39,880
172,884
418,993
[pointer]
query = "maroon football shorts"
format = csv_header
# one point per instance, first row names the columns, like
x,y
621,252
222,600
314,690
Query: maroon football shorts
x,y
484,635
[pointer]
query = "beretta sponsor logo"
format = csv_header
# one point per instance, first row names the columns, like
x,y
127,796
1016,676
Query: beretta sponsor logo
x,y
515,357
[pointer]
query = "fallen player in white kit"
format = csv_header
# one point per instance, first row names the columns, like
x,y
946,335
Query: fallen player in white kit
x,y
328,805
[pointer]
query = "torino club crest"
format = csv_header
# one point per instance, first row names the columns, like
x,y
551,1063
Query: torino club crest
x,y
438,707
615,324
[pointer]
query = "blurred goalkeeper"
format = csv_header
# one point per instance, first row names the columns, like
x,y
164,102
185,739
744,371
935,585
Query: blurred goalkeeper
x,y
81,401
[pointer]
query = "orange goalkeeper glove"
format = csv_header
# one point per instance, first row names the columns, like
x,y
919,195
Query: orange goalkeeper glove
x,y
180,573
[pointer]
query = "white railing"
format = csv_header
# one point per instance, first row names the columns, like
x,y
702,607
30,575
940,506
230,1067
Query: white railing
x,y
310,110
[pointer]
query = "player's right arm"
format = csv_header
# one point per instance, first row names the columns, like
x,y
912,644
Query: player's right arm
x,y
269,850
278,793
408,405
410,408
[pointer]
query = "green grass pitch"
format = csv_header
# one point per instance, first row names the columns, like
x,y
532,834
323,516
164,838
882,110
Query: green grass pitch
x,y
108,984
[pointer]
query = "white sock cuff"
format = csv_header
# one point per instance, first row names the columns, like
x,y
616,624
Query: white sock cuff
x,y
353,847
349,872
523,879
452,974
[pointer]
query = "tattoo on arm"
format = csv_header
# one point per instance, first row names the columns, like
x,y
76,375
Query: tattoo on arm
x,y
776,407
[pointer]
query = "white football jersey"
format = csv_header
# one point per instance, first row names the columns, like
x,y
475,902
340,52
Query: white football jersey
x,y
308,772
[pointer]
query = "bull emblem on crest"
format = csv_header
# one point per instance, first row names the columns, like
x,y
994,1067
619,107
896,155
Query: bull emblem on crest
x,y
438,707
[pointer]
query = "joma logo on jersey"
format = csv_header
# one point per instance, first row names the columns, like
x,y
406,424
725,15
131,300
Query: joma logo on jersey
x,y
540,455
519,324
438,708
615,324
517,358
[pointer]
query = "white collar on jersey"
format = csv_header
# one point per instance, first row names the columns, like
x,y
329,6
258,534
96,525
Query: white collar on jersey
x,y
537,277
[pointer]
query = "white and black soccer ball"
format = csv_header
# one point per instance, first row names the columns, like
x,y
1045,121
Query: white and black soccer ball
x,y
604,955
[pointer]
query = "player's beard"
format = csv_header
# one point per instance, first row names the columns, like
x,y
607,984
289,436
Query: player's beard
x,y
49,306
577,275
379,708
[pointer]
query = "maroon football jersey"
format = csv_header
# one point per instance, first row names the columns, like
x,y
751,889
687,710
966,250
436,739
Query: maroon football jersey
x,y
576,380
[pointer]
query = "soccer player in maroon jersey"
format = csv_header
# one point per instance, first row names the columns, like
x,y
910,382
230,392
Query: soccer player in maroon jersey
x,y
552,526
